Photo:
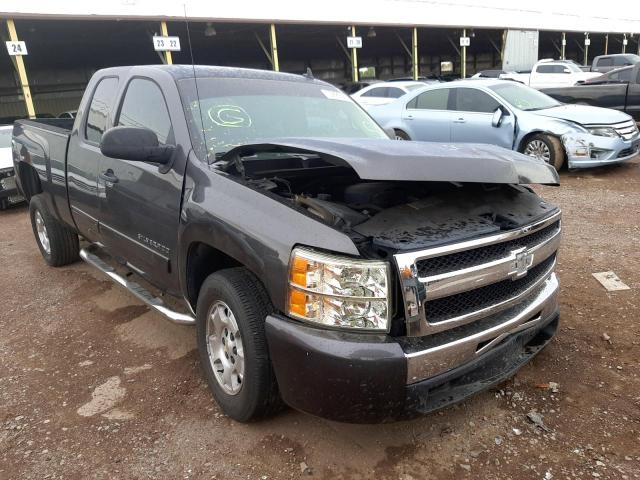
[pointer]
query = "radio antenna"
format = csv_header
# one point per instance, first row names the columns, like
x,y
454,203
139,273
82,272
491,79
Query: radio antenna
x,y
195,81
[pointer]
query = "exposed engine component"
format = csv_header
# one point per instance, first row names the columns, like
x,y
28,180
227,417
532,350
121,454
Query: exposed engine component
x,y
332,213
374,195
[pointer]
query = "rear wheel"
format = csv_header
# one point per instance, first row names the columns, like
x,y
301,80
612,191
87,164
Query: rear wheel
x,y
546,148
58,244
230,316
401,135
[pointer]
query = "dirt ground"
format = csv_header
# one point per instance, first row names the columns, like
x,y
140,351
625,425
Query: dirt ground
x,y
93,385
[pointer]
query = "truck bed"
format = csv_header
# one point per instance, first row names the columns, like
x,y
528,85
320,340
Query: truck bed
x,y
605,95
43,150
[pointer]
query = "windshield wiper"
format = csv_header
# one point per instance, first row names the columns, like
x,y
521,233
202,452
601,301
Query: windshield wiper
x,y
539,108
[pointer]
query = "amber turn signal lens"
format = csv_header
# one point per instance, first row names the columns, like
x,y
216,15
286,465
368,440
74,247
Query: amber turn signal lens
x,y
299,269
297,302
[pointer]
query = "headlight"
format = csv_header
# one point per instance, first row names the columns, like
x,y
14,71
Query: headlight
x,y
338,291
603,131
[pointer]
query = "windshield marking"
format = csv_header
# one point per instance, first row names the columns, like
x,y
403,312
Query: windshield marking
x,y
229,116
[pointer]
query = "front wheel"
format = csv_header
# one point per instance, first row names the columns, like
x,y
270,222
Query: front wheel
x,y
401,135
546,148
230,316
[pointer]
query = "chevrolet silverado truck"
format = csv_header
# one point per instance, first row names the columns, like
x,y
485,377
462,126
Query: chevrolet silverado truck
x,y
621,92
549,73
324,265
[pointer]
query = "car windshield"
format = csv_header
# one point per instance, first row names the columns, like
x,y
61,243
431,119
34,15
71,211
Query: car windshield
x,y
523,98
5,137
237,111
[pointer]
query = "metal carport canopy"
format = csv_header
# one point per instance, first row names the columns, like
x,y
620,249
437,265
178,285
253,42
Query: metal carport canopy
x,y
614,16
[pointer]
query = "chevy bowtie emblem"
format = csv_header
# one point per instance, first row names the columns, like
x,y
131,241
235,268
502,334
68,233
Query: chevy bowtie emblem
x,y
522,263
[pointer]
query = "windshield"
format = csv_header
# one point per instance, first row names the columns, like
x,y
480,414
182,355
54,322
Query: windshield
x,y
5,137
523,98
238,111
573,66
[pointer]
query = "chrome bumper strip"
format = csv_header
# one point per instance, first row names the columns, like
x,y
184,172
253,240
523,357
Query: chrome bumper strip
x,y
436,360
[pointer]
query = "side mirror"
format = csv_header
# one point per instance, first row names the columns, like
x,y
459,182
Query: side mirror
x,y
566,70
135,144
496,118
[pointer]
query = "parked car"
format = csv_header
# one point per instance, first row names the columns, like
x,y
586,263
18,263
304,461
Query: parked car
x,y
488,74
8,192
512,116
605,63
428,79
618,89
551,73
618,75
68,114
384,92
300,240
352,87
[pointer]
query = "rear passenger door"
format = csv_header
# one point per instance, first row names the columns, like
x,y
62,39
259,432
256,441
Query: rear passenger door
x,y
603,64
427,117
472,121
140,201
83,157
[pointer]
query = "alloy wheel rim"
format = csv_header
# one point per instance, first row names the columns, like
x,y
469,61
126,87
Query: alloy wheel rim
x,y
224,348
43,236
538,149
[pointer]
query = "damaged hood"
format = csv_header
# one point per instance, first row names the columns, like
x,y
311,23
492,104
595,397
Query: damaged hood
x,y
381,159
585,114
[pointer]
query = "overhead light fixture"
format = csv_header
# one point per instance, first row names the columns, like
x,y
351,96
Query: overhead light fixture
x,y
371,33
210,31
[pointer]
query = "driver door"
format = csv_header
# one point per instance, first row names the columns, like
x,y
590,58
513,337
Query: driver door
x,y
140,201
472,122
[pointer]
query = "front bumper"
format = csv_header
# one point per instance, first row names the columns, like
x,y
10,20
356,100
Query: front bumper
x,y
364,378
9,193
585,150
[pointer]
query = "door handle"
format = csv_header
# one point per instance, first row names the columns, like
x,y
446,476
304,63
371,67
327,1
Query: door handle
x,y
460,120
409,117
108,176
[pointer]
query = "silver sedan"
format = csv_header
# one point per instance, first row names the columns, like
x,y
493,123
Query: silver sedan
x,y
514,116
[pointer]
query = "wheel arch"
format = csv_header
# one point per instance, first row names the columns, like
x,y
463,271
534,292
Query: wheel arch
x,y
531,134
28,181
203,259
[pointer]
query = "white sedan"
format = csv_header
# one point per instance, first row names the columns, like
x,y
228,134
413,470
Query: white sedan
x,y
384,92
8,191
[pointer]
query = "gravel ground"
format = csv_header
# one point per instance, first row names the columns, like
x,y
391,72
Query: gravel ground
x,y
94,385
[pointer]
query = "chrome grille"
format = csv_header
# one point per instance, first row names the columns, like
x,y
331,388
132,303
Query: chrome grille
x,y
627,129
454,285
460,304
477,256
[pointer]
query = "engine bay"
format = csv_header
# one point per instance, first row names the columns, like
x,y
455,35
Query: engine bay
x,y
389,216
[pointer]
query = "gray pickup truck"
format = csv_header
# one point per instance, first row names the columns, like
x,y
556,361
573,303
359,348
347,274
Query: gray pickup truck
x,y
324,265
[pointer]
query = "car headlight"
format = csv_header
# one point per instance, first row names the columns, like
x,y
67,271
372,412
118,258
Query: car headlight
x,y
338,291
603,131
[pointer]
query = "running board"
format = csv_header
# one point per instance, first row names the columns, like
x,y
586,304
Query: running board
x,y
140,292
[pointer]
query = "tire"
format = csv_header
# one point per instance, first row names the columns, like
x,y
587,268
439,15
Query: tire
x,y
239,295
58,244
401,135
545,147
